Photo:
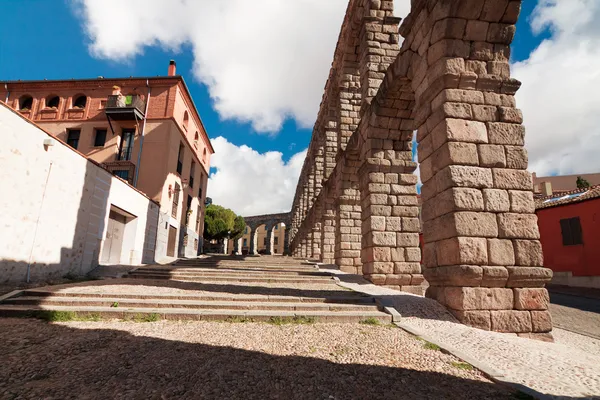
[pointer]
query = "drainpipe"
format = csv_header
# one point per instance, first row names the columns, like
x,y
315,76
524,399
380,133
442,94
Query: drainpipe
x,y
139,160
7,93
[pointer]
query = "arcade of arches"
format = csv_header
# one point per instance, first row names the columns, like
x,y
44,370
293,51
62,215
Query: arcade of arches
x,y
264,234
356,201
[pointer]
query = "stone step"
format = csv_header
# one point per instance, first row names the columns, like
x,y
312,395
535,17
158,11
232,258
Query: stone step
x,y
344,298
118,302
228,278
233,271
248,265
194,314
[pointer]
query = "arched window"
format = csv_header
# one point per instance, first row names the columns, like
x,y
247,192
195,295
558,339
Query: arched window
x,y
25,102
52,101
80,101
196,136
204,156
186,120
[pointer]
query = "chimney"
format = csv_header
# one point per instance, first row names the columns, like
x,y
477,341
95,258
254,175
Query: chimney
x,y
546,188
172,68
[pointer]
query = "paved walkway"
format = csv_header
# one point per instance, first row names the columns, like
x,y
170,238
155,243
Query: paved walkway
x,y
570,367
575,313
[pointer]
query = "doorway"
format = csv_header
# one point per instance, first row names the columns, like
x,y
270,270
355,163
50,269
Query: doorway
x,y
171,241
111,252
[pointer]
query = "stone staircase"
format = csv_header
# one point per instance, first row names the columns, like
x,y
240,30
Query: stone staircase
x,y
213,288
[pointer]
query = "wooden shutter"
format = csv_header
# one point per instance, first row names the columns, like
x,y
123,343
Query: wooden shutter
x,y
565,230
576,234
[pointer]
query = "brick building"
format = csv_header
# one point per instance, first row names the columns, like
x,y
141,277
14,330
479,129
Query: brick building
x,y
144,130
570,233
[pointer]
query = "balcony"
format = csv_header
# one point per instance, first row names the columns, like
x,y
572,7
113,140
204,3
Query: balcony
x,y
123,169
125,108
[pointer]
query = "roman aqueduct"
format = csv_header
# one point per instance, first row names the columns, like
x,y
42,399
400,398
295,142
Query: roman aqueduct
x,y
356,203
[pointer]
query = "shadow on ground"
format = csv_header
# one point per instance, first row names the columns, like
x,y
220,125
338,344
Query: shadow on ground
x,y
42,360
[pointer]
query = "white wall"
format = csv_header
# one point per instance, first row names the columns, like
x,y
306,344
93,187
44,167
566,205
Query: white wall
x,y
54,207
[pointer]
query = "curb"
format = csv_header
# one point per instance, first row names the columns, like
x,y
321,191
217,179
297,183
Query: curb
x,y
487,370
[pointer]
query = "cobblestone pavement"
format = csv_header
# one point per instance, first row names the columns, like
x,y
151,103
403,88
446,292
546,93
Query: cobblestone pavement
x,y
212,360
570,367
577,314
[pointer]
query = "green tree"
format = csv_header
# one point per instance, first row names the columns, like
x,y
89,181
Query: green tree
x,y
582,183
221,223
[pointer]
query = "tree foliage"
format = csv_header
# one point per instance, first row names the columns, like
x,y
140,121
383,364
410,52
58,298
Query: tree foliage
x,y
239,225
582,183
221,223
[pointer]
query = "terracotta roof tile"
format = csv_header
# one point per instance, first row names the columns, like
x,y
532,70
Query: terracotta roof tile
x,y
567,197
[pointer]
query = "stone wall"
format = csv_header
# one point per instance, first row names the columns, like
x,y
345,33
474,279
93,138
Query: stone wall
x,y
449,80
269,220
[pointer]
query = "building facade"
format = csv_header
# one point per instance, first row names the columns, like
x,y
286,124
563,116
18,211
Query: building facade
x,y
570,234
63,214
146,131
262,240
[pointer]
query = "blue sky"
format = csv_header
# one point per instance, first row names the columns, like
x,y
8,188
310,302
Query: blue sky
x,y
231,47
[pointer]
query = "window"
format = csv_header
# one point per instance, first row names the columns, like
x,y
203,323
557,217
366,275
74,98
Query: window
x,y
100,138
175,200
196,137
25,102
198,219
180,159
73,137
127,140
246,230
204,156
276,226
192,173
200,187
122,173
571,231
52,101
188,210
80,101
265,241
275,240
186,120
266,229
245,243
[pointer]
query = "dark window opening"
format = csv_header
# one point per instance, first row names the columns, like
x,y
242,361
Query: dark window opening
x,y
73,137
265,241
188,210
245,243
186,120
571,231
175,200
25,103
52,102
80,102
275,240
127,141
100,138
180,159
198,219
192,173
122,173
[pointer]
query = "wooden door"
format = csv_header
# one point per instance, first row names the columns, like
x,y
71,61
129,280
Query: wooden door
x,y
172,241
111,252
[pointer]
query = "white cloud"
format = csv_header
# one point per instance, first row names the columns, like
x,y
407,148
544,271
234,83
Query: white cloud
x,y
262,60
559,96
251,183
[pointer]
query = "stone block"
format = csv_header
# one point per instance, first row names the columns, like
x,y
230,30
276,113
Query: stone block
x,y
454,275
500,252
407,268
484,113
510,114
384,239
493,10
463,176
531,298
454,153
477,67
528,253
494,276
528,276
456,199
404,211
448,28
381,254
521,201
516,157
483,51
407,239
478,224
393,224
448,48
459,130
476,31
462,250
376,223
397,254
376,279
477,319
513,179
491,155
518,226
429,255
457,96
511,15
507,134
457,111
500,69
398,279
541,321
501,33
496,200
478,298
417,279
412,254
411,225
511,321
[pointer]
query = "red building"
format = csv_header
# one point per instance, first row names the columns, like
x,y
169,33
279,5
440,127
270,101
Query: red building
x,y
569,225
